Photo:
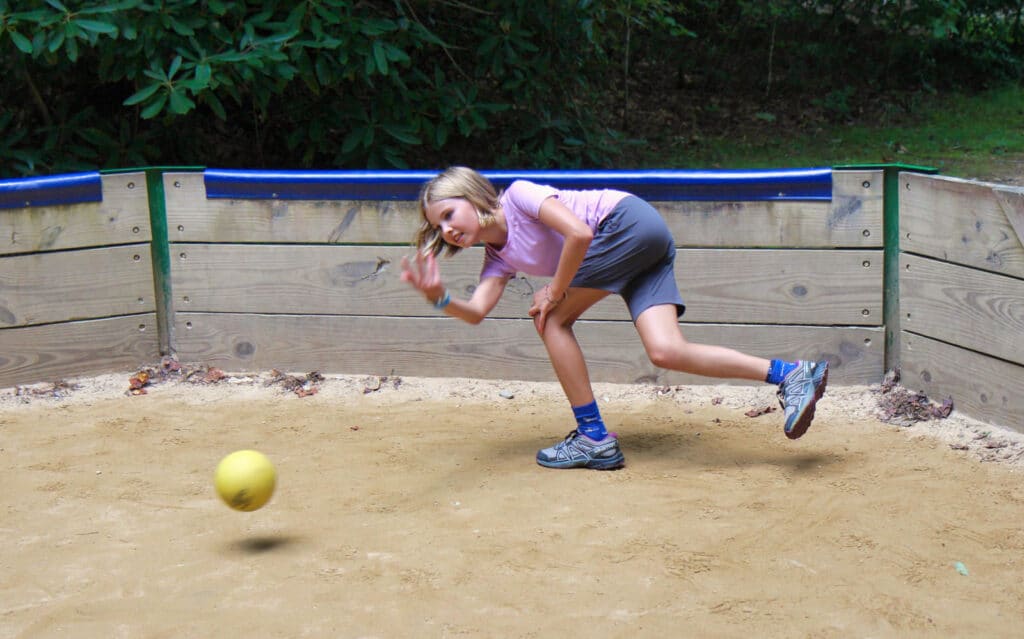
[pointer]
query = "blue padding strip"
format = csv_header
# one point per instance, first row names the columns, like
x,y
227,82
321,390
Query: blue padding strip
x,y
71,188
723,185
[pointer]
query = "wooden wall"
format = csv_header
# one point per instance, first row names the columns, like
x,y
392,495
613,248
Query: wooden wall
x,y
313,285
76,286
962,294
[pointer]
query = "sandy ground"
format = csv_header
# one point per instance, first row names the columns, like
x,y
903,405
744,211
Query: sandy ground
x,y
414,508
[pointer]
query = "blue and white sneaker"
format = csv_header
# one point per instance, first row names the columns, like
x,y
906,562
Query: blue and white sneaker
x,y
798,394
579,451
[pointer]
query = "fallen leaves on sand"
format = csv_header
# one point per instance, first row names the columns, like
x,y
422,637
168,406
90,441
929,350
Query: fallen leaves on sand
x,y
374,384
757,412
56,389
138,382
301,386
167,369
206,375
991,445
902,407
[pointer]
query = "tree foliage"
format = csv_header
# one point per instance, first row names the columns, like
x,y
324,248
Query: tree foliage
x,y
422,83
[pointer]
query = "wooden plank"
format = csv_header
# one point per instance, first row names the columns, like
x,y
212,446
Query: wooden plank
x,y
193,218
853,219
781,286
759,286
59,351
769,224
40,288
496,349
121,218
966,307
982,387
958,221
1012,202
857,211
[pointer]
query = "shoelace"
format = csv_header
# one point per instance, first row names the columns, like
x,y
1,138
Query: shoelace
x,y
789,399
573,434
566,447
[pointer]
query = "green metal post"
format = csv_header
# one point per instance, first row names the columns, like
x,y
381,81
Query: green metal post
x,y
891,266
160,250
161,258
890,251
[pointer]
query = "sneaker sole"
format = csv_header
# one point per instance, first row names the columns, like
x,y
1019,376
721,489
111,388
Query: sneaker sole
x,y
611,463
804,422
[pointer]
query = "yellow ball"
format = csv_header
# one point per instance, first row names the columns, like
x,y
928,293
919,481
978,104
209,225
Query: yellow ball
x,y
245,480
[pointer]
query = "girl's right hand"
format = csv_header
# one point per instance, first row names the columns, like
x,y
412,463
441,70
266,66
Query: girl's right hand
x,y
424,275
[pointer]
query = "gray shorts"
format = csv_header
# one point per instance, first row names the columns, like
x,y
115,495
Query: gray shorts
x,y
633,255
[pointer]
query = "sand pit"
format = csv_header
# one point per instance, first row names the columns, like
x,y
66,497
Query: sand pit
x,y
413,508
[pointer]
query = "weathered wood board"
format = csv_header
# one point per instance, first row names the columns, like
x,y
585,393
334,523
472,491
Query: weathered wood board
x,y
121,218
741,285
56,352
496,349
966,307
853,218
958,221
982,387
191,217
41,288
1012,202
291,268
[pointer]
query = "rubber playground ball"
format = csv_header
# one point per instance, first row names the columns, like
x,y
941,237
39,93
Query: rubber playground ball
x,y
245,480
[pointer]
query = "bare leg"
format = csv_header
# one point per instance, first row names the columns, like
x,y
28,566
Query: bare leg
x,y
578,449
563,349
667,348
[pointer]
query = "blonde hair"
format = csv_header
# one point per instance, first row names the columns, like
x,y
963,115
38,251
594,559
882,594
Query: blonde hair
x,y
454,182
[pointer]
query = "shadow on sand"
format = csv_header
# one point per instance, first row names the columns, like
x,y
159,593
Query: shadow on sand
x,y
262,544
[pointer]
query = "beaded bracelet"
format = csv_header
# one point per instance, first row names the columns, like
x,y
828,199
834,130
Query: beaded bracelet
x,y
547,294
443,301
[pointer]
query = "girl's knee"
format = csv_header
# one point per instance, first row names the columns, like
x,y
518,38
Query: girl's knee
x,y
560,321
660,355
555,326
668,353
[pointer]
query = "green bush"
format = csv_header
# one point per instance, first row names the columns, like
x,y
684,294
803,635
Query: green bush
x,y
325,83
424,83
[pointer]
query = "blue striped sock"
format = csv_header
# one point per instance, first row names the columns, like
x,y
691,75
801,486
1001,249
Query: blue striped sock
x,y
778,371
589,422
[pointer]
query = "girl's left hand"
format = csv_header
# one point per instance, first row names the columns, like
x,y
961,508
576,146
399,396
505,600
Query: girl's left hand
x,y
543,304
424,275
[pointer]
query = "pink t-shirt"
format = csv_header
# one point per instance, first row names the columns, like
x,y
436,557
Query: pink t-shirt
x,y
532,247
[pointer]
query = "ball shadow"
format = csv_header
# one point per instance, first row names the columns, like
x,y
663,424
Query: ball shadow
x,y
262,544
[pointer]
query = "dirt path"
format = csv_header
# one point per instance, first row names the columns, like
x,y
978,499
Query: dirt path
x,y
418,511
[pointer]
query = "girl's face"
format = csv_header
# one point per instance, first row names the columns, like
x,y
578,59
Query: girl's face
x,y
457,220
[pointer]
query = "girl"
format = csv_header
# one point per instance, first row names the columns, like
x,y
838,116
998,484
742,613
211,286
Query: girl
x,y
591,244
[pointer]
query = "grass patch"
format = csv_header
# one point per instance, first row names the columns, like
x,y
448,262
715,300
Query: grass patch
x,y
978,136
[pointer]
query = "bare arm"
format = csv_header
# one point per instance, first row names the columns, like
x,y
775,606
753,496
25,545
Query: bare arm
x,y
425,276
578,237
